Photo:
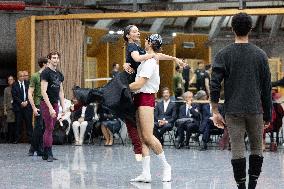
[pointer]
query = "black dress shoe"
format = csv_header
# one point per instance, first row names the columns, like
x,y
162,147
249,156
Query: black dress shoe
x,y
31,153
195,138
203,148
180,145
44,155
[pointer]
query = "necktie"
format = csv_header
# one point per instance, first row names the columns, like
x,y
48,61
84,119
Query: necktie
x,y
23,90
188,112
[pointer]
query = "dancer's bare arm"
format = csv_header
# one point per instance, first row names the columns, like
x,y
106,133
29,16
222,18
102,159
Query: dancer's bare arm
x,y
31,99
61,98
178,61
127,68
139,58
43,85
138,84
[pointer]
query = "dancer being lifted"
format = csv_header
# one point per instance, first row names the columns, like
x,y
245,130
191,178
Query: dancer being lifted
x,y
134,55
146,85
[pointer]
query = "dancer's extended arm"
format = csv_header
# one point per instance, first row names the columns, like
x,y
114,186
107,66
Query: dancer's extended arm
x,y
138,84
178,61
139,58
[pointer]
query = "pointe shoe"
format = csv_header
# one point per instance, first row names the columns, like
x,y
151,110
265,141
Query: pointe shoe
x,y
142,178
138,157
167,174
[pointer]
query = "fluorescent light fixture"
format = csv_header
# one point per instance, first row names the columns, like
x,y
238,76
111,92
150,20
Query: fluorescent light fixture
x,y
111,32
119,32
188,45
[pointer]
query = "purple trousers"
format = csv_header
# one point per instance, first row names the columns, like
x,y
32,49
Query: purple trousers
x,y
49,123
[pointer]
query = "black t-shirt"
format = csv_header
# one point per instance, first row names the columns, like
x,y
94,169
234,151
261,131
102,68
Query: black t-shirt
x,y
131,47
185,73
201,75
54,79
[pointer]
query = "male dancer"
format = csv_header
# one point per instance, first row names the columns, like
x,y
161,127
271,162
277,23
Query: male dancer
x,y
34,95
52,91
247,87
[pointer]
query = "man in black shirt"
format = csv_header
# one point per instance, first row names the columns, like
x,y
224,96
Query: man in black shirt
x,y
202,78
115,69
52,92
186,75
247,87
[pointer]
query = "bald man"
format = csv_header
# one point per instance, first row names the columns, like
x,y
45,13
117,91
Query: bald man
x,y
21,106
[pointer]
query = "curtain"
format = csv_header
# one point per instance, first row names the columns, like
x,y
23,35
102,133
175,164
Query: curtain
x,y
67,38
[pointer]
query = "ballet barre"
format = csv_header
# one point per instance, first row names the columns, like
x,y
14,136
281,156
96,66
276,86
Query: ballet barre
x,y
99,79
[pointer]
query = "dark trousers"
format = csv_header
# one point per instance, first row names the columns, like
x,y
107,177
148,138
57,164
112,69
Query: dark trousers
x,y
189,127
159,131
133,135
25,114
37,137
186,85
11,131
207,130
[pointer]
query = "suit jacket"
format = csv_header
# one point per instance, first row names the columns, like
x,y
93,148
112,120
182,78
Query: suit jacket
x,y
89,113
194,114
115,96
169,115
18,96
205,112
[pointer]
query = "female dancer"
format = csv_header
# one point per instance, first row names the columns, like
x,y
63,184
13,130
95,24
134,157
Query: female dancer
x,y
146,84
134,55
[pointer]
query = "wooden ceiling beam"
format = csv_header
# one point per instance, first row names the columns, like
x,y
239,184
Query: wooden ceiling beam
x,y
163,14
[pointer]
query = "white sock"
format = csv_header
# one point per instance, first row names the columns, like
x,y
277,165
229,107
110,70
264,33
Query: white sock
x,y
146,165
162,157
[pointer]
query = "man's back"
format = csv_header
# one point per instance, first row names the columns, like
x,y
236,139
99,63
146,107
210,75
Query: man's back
x,y
246,74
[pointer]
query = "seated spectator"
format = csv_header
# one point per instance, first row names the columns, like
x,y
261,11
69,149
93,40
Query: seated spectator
x,y
165,115
188,120
62,125
276,122
82,118
207,124
109,124
65,121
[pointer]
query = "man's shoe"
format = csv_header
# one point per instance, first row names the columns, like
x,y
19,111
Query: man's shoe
x,y
180,145
31,151
49,155
203,148
44,155
195,138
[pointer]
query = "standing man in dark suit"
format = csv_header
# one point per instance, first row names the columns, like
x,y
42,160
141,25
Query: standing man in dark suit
x,y
22,107
186,75
188,120
165,115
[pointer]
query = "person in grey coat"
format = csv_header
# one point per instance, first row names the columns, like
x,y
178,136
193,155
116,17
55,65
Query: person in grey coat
x,y
8,109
